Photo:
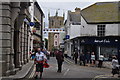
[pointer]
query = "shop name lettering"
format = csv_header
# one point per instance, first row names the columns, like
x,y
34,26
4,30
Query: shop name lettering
x,y
102,41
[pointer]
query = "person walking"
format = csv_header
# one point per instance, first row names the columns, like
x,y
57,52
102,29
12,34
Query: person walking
x,y
82,59
88,57
33,54
40,58
101,58
60,59
76,56
115,66
92,59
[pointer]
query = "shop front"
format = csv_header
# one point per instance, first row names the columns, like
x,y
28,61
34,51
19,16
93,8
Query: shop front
x,y
106,46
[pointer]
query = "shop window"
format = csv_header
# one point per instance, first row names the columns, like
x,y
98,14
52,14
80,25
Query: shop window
x,y
108,52
101,30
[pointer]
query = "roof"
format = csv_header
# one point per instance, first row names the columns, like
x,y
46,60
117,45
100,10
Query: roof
x,y
74,16
102,12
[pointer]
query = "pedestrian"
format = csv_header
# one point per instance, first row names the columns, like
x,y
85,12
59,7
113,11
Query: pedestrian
x,y
32,54
101,58
92,58
82,59
40,58
60,59
46,53
76,56
115,66
88,57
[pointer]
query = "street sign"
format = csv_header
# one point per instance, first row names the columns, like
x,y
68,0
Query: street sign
x,y
67,37
31,23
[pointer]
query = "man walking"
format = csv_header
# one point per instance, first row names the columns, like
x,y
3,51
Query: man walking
x,y
40,58
60,59
82,59
76,56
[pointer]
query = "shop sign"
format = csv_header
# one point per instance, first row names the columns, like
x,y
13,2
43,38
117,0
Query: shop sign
x,y
102,41
110,41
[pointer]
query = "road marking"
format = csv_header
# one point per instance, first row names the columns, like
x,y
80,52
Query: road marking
x,y
66,72
68,61
102,76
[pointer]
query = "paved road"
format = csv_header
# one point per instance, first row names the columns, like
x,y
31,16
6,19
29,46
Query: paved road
x,y
70,70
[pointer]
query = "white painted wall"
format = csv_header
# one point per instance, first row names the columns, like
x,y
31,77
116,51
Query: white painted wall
x,y
74,31
91,29
112,29
87,29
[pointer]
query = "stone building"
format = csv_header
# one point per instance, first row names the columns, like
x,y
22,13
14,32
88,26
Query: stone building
x,y
53,38
14,36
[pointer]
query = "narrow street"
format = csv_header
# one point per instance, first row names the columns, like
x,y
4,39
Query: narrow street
x,y
70,70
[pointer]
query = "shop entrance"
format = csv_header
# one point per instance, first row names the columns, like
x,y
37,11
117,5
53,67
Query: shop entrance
x,y
91,48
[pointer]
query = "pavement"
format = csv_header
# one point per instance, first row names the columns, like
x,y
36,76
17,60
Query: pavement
x,y
99,77
23,73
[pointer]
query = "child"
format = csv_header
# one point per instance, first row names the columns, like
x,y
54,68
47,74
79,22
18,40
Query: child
x,y
115,66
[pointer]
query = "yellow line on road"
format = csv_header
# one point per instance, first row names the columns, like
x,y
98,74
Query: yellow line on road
x,y
102,76
68,61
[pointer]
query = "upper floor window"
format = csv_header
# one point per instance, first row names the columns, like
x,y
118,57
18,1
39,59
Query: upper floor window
x,y
76,23
60,23
52,23
55,36
100,30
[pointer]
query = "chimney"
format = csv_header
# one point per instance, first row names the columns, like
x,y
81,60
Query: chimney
x,y
77,9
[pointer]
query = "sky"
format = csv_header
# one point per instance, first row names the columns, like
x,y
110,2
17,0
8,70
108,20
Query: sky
x,y
62,6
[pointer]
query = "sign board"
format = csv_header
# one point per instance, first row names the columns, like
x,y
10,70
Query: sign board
x,y
31,23
67,37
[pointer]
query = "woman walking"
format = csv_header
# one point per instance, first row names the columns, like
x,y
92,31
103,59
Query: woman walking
x,y
60,59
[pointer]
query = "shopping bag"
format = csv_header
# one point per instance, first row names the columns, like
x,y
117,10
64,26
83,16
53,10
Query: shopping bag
x,y
46,65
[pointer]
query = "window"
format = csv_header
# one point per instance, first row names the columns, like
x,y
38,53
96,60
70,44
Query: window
x,y
56,43
55,36
76,23
52,22
101,30
60,23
